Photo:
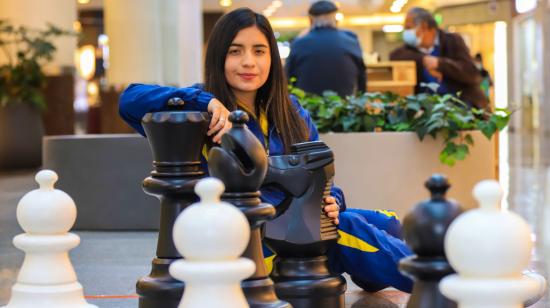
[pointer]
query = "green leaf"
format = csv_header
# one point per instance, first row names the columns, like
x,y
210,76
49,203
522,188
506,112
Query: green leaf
x,y
461,151
348,122
469,140
487,128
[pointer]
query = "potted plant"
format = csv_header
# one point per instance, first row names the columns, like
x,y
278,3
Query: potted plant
x,y
387,145
24,52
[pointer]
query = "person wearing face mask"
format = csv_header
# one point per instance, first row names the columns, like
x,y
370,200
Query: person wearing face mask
x,y
441,57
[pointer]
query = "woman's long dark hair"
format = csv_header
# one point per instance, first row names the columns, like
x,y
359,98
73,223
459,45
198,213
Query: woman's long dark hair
x,y
272,96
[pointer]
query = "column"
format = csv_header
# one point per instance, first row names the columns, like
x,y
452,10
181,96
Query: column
x,y
159,42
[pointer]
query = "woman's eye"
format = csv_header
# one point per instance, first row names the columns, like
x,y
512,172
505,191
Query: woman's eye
x,y
260,52
234,52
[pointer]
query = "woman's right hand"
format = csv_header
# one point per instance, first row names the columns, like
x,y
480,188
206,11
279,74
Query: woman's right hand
x,y
219,124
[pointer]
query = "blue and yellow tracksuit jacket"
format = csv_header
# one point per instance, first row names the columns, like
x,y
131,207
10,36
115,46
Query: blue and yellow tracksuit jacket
x,y
370,244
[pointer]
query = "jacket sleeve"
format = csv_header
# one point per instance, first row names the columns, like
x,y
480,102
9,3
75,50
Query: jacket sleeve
x,y
460,68
335,191
139,99
405,53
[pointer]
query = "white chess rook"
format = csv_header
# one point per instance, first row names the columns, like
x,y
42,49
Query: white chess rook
x,y
211,235
47,278
489,249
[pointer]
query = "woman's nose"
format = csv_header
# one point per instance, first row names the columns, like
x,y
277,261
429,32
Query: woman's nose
x,y
248,59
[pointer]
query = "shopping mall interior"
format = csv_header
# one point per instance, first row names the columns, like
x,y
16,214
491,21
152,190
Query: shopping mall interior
x,y
66,118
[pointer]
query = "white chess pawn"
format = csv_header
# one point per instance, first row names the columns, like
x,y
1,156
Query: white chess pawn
x,y
47,278
489,249
211,235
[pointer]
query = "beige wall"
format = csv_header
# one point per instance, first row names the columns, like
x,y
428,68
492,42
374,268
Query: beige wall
x,y
475,13
36,14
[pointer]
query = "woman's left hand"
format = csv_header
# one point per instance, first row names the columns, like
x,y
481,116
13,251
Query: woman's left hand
x,y
332,209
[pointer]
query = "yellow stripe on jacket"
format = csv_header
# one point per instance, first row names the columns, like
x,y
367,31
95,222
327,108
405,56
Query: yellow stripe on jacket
x,y
388,213
351,241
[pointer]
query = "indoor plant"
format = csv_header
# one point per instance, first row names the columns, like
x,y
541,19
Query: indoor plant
x,y
443,116
24,52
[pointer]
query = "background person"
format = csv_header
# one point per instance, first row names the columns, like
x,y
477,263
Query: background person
x,y
486,80
441,57
326,58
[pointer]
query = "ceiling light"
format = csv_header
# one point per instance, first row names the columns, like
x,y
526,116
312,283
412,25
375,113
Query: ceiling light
x,y
83,1
395,9
226,3
77,26
277,3
392,28
524,6
339,16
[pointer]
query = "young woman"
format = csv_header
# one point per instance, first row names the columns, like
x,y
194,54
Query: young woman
x,y
244,71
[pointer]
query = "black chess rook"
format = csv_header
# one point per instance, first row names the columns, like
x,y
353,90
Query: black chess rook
x,y
176,139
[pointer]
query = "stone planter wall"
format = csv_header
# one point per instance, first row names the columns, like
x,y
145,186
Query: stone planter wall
x,y
387,170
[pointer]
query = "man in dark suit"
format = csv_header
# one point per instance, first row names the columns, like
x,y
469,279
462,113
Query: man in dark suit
x,y
326,58
441,57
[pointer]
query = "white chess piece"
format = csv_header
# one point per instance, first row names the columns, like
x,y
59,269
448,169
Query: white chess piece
x,y
211,235
47,278
489,249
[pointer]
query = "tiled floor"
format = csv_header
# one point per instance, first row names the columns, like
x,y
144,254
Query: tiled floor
x,y
109,263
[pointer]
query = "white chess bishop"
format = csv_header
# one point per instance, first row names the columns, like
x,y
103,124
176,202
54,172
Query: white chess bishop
x,y
489,249
47,278
211,235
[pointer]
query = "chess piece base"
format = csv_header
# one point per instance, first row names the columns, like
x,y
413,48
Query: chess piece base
x,y
159,289
307,283
426,273
489,293
68,295
214,283
260,293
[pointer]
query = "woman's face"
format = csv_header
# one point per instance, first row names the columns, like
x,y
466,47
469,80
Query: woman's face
x,y
248,61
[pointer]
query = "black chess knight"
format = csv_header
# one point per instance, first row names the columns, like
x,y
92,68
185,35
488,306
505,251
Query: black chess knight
x,y
241,163
302,234
424,230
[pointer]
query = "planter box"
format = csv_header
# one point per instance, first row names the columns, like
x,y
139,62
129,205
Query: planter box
x,y
387,170
21,132
103,174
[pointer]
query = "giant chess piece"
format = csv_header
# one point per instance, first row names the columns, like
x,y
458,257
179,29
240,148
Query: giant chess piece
x,y
489,249
241,163
212,270
47,278
176,139
424,230
302,234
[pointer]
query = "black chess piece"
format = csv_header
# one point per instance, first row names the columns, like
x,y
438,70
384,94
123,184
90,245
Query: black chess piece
x,y
302,233
424,229
241,164
176,139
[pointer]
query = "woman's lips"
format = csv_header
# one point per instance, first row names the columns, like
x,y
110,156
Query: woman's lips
x,y
247,76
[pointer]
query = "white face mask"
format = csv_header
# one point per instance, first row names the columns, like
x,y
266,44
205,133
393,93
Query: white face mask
x,y
409,37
